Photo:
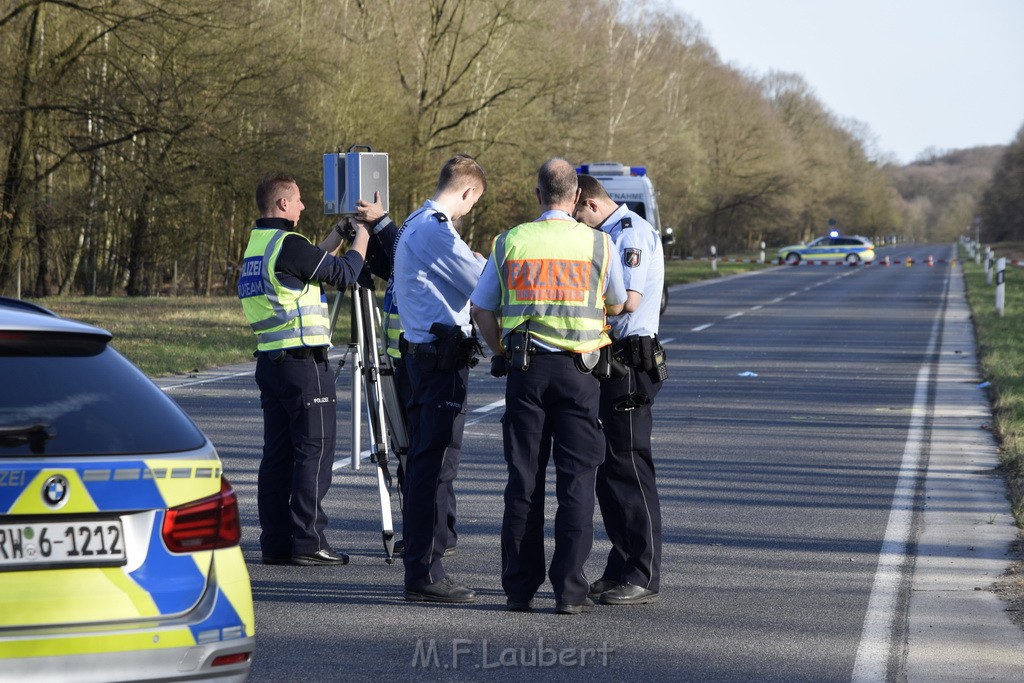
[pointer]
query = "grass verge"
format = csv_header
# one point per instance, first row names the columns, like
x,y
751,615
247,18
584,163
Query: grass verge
x,y
678,272
1001,361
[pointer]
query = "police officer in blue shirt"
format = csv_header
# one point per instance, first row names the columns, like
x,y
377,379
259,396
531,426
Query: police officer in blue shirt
x,y
626,489
435,273
380,254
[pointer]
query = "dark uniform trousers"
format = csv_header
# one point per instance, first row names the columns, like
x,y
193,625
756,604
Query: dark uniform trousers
x,y
626,489
403,390
551,408
437,415
299,423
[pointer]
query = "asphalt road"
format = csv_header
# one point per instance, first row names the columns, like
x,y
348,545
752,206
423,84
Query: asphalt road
x,y
780,438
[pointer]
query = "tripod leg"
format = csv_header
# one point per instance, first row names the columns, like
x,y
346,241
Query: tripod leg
x,y
357,377
375,416
387,525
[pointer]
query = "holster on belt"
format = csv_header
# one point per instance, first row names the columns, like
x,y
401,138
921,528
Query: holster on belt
x,y
454,349
644,354
608,367
518,349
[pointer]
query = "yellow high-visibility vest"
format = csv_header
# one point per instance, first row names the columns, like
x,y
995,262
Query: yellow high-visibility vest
x,y
391,321
552,275
281,317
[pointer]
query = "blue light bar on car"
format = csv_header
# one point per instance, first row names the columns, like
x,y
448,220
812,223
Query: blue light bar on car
x,y
637,170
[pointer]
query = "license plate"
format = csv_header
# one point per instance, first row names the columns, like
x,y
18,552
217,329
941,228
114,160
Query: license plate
x,y
96,543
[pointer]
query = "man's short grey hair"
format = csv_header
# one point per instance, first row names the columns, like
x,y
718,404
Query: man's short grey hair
x,y
556,181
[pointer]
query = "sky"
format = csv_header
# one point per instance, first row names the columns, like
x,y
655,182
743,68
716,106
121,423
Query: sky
x,y
921,74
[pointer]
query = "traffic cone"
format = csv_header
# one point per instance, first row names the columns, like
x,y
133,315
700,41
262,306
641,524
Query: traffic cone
x,y
886,262
931,261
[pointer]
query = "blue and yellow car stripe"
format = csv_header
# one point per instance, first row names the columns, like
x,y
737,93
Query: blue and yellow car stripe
x,y
35,604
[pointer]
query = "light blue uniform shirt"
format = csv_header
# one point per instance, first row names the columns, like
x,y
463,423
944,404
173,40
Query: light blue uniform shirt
x,y
643,270
435,272
487,294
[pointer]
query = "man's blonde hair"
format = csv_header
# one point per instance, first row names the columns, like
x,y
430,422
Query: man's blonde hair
x,y
459,171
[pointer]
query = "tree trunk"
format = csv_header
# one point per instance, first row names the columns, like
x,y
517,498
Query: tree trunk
x,y
15,219
139,257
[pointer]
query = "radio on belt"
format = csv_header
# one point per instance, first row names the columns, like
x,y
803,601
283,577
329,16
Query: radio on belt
x,y
351,176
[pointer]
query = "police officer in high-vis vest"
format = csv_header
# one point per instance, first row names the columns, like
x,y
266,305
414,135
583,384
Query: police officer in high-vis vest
x,y
280,291
541,303
626,490
435,272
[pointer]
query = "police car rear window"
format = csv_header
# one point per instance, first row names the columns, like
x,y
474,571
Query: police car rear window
x,y
76,396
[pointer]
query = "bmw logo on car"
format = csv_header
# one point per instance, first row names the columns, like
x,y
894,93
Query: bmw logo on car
x,y
55,490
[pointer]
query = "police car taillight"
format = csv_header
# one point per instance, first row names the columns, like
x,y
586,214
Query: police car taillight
x,y
236,658
206,524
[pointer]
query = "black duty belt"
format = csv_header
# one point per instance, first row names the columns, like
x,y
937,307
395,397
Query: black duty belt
x,y
410,347
546,352
318,353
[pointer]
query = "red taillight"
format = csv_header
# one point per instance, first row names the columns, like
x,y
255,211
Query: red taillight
x,y
224,660
206,524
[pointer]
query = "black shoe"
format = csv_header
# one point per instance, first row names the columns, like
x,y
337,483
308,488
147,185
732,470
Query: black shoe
x,y
277,559
628,594
600,586
574,608
399,550
324,556
518,605
444,590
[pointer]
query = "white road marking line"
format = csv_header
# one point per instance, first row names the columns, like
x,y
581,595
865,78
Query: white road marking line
x,y
756,308
491,406
205,381
701,328
734,315
486,411
876,639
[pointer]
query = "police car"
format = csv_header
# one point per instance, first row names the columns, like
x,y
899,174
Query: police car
x,y
119,555
853,249
630,185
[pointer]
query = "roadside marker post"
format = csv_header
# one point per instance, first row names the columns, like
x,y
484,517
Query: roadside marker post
x,y
1000,286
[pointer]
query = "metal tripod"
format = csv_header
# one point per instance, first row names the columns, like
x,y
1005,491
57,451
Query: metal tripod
x,y
373,385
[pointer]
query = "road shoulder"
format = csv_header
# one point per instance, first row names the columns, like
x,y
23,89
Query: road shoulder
x,y
958,626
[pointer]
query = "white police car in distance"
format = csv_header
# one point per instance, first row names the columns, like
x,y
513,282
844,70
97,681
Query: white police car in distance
x,y
853,249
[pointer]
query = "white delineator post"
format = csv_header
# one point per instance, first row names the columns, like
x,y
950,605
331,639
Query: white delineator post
x,y
1000,286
